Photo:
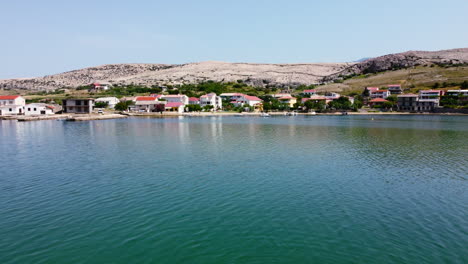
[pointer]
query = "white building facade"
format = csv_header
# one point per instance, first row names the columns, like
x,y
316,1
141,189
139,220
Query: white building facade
x,y
211,99
38,109
12,105
180,98
111,101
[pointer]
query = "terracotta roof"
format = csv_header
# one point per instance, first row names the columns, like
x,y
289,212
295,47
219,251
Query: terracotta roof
x,y
314,98
173,104
9,97
193,99
378,100
146,98
252,98
310,91
394,85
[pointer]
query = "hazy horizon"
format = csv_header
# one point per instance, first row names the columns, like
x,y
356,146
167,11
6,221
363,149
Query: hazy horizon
x,y
51,37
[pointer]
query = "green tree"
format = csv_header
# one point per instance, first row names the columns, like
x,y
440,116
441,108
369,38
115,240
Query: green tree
x,y
101,104
194,108
123,106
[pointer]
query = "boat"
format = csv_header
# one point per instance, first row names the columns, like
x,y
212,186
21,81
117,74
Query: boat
x,y
264,114
344,113
312,113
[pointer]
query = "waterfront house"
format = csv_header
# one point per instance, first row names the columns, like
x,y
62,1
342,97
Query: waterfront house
x,y
12,105
147,104
289,100
370,90
412,103
394,89
211,99
179,98
38,109
111,101
12,100
377,102
249,100
380,94
194,101
174,107
11,110
78,106
309,92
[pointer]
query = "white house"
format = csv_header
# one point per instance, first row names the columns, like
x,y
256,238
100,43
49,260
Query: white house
x,y
211,99
248,100
194,101
12,105
174,107
147,104
12,100
380,94
11,110
179,98
38,109
111,101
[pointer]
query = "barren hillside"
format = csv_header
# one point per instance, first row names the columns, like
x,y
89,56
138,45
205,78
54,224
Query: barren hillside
x,y
279,75
160,74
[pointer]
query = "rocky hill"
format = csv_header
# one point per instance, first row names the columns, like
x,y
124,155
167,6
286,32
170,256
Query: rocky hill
x,y
402,61
279,75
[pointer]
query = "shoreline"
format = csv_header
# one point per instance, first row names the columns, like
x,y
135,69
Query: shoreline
x,y
90,117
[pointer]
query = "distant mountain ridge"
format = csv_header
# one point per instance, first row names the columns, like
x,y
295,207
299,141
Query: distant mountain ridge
x,y
279,75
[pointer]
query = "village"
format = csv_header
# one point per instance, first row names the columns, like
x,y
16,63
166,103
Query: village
x,y
309,101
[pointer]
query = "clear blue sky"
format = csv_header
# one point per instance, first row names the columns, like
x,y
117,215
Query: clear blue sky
x,y
47,37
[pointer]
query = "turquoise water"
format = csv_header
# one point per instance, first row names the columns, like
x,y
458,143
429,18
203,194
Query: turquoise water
x,y
321,189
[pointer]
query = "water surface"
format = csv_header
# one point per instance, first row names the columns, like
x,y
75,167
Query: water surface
x,y
320,189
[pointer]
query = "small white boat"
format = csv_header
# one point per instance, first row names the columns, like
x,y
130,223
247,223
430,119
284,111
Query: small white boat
x,y
312,113
264,115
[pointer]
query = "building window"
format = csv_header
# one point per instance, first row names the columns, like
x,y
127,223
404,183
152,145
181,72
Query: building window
x,y
78,102
11,110
34,109
29,109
